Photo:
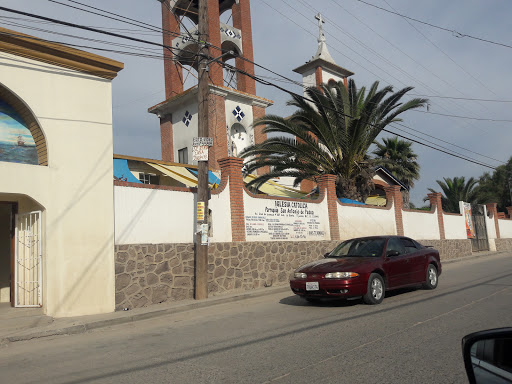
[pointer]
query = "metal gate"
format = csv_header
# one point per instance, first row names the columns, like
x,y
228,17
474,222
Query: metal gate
x,y
480,242
28,260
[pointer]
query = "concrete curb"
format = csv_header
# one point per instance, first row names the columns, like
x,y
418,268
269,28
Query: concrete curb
x,y
120,317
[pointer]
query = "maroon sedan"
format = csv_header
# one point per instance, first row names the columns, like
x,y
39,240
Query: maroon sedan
x,y
367,267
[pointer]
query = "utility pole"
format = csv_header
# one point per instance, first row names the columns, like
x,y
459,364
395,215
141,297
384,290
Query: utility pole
x,y
201,261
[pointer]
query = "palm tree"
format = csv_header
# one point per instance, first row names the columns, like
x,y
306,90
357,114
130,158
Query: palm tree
x,y
397,156
329,134
455,190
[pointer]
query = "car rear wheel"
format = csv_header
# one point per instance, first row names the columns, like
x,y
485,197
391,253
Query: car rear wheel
x,y
432,277
375,290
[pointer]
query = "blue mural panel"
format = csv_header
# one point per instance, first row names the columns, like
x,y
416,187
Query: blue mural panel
x,y
16,142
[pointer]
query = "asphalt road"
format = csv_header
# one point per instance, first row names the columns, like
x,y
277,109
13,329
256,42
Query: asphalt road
x,y
414,336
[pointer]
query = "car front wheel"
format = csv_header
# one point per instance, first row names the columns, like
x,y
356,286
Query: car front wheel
x,y
375,290
432,277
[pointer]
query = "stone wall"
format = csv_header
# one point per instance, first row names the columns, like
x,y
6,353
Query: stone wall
x,y
503,245
450,249
151,274
246,266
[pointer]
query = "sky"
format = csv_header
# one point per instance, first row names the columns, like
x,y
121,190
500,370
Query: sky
x,y
372,43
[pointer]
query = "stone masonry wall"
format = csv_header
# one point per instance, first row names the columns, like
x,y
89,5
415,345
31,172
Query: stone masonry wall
x,y
149,274
450,249
503,245
246,266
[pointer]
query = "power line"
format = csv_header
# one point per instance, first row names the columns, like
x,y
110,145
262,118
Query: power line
x,y
343,114
361,43
467,117
452,31
464,98
475,78
224,65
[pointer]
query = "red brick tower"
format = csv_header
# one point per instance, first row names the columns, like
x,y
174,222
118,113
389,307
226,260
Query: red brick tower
x,y
233,110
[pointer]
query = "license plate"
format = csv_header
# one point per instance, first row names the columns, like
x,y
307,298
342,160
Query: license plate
x,y
312,286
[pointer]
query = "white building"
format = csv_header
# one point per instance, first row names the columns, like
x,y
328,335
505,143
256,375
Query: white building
x,y
56,208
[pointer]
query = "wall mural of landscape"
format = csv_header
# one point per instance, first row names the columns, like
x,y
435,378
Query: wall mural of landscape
x,y
16,142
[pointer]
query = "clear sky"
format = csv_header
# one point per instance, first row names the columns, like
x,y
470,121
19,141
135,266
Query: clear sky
x,y
373,44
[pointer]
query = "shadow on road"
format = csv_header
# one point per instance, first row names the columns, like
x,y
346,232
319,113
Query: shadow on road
x,y
298,301
330,303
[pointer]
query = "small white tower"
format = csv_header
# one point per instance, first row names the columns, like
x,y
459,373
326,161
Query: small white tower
x,y
322,68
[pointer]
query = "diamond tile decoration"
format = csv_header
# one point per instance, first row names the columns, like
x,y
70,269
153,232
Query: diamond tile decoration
x,y
187,119
230,33
237,112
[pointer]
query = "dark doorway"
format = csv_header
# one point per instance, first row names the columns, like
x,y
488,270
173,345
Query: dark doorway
x,y
480,241
8,211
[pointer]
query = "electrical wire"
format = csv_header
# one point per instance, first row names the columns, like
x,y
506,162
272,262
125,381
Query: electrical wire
x,y
232,68
452,31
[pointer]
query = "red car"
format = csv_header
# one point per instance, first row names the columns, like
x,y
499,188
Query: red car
x,y
367,267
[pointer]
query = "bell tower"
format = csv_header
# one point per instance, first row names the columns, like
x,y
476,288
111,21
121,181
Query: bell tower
x,y
322,68
232,109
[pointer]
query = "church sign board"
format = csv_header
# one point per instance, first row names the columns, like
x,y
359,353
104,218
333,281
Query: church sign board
x,y
200,148
282,220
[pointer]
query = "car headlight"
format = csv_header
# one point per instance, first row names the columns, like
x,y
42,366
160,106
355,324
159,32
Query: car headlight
x,y
300,275
341,275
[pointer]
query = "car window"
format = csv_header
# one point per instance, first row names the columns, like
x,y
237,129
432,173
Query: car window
x,y
366,247
408,245
394,244
418,245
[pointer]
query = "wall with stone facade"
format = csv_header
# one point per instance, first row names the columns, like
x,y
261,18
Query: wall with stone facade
x,y
155,273
503,245
152,274
450,249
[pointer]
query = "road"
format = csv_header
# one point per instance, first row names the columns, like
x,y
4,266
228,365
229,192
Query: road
x,y
412,337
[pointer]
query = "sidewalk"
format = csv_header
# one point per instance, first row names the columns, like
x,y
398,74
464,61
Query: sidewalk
x,y
21,324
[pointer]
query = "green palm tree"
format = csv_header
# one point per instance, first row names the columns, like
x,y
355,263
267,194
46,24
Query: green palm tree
x,y
455,190
330,134
397,156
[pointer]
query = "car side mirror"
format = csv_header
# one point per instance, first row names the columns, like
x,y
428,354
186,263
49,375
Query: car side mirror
x,y
327,254
392,253
488,356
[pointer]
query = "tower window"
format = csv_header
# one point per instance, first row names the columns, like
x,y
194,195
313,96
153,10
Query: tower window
x,y
183,155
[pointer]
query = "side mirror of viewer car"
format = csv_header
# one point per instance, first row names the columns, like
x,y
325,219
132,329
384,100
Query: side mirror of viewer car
x,y
488,356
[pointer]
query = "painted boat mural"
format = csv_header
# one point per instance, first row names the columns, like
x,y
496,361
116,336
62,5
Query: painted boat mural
x,y
16,142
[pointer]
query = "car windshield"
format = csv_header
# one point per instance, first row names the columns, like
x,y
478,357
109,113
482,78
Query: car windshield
x,y
359,248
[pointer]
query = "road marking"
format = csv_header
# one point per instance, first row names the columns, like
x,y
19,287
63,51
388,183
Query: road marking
x,y
277,378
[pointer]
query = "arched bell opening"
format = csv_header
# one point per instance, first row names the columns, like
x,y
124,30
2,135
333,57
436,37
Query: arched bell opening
x,y
240,139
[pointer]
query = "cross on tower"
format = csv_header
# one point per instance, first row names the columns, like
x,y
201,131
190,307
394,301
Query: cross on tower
x,y
320,22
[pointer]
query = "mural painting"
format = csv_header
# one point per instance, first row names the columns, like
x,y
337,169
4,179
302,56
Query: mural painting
x,y
16,142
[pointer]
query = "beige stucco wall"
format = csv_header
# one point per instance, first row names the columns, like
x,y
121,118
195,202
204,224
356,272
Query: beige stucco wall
x,y
505,228
357,221
454,226
421,225
75,190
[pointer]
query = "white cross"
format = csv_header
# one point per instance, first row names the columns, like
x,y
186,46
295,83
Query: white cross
x,y
320,22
